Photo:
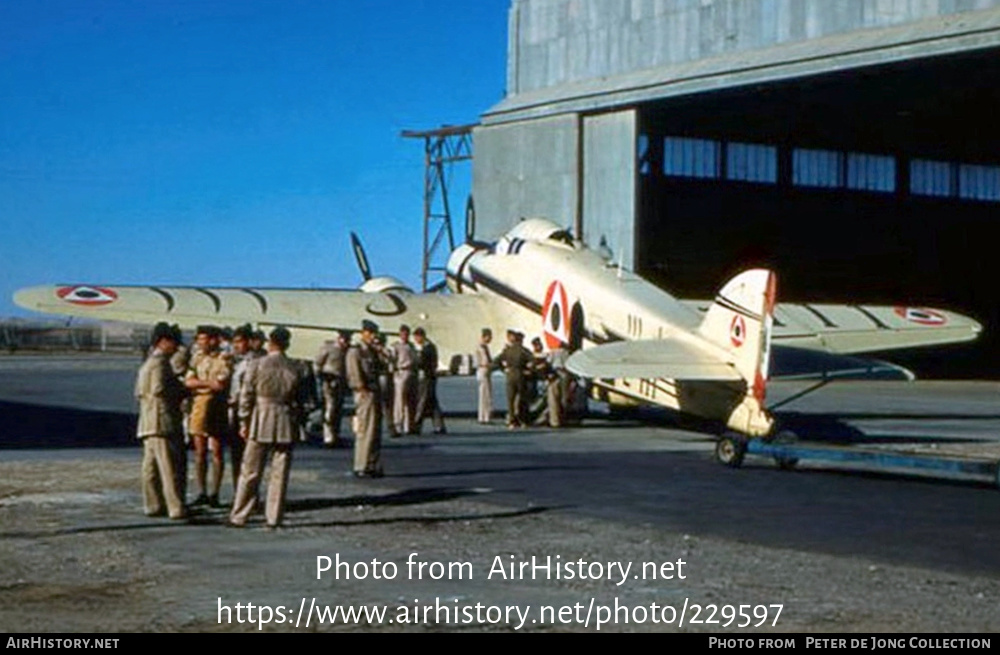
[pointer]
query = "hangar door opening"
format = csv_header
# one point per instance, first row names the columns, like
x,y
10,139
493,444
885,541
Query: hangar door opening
x,y
876,185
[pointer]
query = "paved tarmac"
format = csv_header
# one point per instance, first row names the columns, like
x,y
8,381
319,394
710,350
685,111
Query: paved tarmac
x,y
644,473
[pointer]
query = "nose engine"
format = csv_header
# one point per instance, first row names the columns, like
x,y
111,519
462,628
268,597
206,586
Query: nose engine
x,y
459,269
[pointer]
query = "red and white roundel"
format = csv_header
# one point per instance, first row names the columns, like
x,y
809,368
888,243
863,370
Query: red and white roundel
x,y
921,316
738,331
87,296
555,316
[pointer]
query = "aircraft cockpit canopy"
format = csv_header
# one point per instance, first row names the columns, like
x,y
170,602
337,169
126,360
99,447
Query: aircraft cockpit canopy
x,y
539,230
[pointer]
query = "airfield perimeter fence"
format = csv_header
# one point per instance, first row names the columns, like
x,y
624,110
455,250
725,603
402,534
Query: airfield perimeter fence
x,y
24,336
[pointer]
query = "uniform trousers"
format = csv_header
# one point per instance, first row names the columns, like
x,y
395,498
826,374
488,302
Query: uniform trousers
x,y
485,395
368,432
516,389
555,397
404,387
428,405
159,478
254,458
333,407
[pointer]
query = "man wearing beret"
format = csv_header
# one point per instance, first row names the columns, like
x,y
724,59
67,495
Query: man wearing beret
x,y
160,393
362,377
271,399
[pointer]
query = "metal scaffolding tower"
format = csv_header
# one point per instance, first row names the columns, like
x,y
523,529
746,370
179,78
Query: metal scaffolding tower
x,y
443,148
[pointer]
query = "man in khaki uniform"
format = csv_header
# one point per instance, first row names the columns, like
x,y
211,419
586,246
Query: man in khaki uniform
x,y
271,400
404,380
208,380
383,366
484,371
330,369
242,356
160,393
362,377
557,388
515,359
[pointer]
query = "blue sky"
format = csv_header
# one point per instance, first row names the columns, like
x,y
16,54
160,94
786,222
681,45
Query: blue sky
x,y
213,142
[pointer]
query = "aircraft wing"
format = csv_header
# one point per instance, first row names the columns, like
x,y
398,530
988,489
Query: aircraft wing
x,y
452,321
852,329
650,359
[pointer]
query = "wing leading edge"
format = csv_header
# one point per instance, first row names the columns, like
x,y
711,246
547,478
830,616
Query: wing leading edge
x,y
312,315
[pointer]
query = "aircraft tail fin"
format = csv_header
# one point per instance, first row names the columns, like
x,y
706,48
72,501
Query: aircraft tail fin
x,y
740,320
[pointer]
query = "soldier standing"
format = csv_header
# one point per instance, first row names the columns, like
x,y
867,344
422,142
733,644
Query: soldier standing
x,y
484,370
403,356
383,366
271,404
427,367
515,360
537,375
242,356
362,376
179,363
160,429
330,368
208,380
557,390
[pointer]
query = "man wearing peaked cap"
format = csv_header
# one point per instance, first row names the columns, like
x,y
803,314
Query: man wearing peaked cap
x,y
362,377
271,401
160,393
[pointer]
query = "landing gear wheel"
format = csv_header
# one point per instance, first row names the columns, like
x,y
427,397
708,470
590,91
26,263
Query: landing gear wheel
x,y
730,450
786,438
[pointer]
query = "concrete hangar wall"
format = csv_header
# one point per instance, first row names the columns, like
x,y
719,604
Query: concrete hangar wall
x,y
851,145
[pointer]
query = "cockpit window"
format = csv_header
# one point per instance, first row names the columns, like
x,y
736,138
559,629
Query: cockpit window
x,y
563,237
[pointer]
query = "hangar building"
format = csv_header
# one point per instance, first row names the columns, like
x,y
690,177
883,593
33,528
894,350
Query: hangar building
x,y
851,145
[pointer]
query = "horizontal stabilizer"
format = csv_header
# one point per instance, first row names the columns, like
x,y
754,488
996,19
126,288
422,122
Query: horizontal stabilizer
x,y
852,329
649,360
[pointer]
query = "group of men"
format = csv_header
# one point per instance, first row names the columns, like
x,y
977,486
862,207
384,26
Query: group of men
x,y
529,373
395,385
230,390
250,398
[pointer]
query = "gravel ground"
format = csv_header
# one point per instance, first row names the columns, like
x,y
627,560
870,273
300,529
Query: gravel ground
x,y
76,554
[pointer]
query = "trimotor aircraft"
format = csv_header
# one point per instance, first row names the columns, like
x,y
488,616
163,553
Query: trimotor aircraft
x,y
634,341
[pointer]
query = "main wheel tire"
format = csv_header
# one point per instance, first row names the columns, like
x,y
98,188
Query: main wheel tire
x,y
787,438
730,450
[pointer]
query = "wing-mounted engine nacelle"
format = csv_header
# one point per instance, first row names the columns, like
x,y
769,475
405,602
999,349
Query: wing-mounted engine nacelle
x,y
459,270
384,284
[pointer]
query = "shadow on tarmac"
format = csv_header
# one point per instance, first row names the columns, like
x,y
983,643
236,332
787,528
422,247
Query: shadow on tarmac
x,y
491,471
221,520
24,426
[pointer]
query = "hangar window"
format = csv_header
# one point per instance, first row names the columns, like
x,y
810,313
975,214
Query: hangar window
x,y
979,182
751,162
871,172
691,157
818,168
645,165
930,178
